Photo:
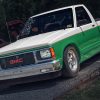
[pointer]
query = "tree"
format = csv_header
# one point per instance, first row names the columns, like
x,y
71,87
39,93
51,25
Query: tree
x,y
25,8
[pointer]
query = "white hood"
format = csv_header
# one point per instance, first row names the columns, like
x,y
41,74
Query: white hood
x,y
34,41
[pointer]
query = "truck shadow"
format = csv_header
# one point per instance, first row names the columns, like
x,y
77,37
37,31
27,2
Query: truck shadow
x,y
90,61
44,84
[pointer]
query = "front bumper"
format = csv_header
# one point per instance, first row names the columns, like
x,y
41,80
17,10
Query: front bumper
x,y
28,79
31,70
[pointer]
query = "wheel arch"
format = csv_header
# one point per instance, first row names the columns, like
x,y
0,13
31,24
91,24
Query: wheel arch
x,y
75,46
66,71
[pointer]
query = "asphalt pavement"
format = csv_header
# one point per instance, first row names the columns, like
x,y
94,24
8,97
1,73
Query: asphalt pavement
x,y
49,89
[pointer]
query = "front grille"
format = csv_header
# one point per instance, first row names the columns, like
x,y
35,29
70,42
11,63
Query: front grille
x,y
17,60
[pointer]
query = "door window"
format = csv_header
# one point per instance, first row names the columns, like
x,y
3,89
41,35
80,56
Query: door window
x,y
82,16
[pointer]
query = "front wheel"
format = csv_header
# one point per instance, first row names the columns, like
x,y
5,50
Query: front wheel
x,y
71,62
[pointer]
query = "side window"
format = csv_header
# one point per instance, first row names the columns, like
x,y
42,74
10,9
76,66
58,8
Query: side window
x,y
57,20
82,16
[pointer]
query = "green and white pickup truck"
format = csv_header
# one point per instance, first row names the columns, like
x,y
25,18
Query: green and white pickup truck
x,y
51,44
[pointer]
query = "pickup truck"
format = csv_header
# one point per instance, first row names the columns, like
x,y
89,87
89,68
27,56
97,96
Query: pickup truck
x,y
51,44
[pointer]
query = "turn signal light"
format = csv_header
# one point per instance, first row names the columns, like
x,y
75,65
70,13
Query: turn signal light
x,y
52,53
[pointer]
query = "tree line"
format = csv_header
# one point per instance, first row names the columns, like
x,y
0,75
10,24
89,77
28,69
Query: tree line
x,y
26,8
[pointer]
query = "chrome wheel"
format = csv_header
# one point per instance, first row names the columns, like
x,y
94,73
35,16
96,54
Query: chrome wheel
x,y
72,60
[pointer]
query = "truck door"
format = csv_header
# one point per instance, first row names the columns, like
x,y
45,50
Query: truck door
x,y
89,30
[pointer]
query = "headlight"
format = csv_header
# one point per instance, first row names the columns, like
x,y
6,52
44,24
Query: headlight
x,y
45,54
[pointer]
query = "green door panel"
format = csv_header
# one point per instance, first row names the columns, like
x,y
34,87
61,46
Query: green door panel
x,y
91,40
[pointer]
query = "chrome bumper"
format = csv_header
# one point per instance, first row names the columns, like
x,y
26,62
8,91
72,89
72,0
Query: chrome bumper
x,y
31,70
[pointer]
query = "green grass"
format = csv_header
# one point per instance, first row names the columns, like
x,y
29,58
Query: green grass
x,y
90,93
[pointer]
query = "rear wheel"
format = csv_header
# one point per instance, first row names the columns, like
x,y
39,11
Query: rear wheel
x,y
71,62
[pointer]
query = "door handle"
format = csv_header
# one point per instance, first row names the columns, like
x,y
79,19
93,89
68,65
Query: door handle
x,y
93,25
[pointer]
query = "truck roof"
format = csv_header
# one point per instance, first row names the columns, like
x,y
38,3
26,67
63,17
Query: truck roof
x,y
56,10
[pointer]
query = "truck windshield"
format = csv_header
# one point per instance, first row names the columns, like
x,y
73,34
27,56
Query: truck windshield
x,y
48,22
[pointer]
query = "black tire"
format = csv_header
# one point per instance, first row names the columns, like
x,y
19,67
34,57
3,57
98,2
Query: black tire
x,y
70,69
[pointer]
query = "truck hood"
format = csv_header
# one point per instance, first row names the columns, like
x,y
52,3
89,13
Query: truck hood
x,y
35,41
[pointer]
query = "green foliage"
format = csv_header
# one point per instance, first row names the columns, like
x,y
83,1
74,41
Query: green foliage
x,y
3,28
26,8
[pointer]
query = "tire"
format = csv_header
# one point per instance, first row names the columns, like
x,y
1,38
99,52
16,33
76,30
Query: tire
x,y
71,62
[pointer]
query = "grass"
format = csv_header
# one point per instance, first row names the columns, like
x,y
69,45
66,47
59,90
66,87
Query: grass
x,y
90,93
